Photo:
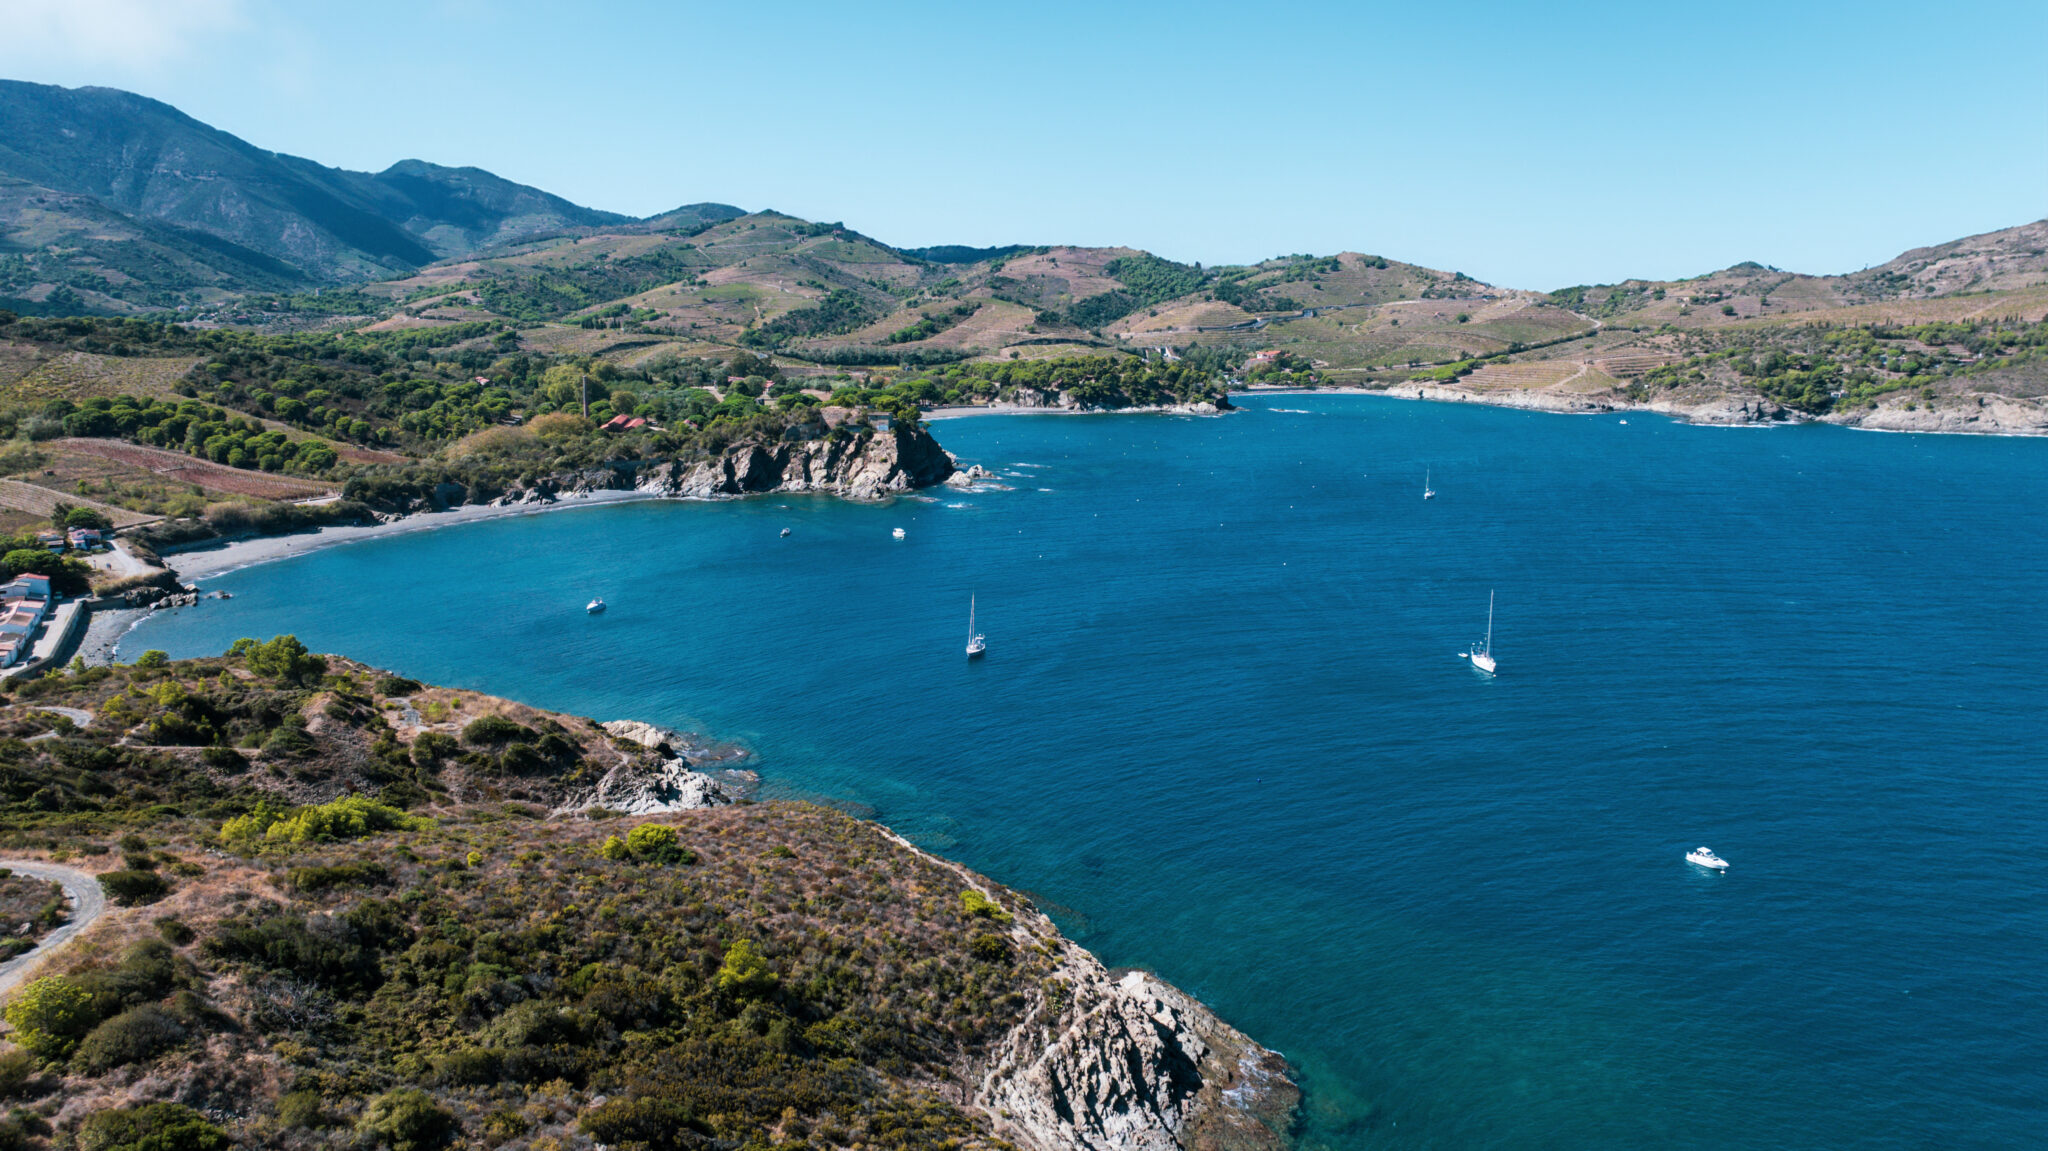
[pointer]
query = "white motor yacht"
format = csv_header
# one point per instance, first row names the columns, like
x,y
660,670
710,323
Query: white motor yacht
x,y
898,533
594,606
1705,857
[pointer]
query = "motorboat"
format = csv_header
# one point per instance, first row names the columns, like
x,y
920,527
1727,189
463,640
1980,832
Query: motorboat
x,y
594,606
898,533
1705,857
785,533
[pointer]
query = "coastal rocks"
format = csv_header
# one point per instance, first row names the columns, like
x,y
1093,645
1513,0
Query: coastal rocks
x,y
1133,1063
1730,410
863,467
157,598
970,477
866,466
637,788
1984,415
669,783
1124,1062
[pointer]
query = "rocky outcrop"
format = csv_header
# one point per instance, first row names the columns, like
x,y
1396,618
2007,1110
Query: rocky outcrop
x,y
867,465
1133,1063
1106,1061
667,781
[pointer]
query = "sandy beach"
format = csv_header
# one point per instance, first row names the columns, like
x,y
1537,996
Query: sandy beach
x,y
215,558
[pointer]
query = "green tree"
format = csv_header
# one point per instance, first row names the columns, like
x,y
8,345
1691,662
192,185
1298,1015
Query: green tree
x,y
284,659
153,658
655,843
745,971
50,1016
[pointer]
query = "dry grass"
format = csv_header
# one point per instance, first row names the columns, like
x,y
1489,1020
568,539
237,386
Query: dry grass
x,y
180,468
78,375
41,501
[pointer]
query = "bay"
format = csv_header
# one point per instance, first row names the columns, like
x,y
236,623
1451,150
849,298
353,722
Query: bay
x,y
1222,734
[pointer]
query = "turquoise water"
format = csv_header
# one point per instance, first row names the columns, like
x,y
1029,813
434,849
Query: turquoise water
x,y
1222,734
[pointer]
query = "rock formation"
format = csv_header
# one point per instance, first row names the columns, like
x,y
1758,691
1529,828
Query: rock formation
x,y
866,465
1108,1062
636,786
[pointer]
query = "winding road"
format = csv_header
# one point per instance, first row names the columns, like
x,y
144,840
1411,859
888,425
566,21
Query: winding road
x,y
88,902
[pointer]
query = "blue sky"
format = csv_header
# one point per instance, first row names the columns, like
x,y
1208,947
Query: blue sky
x,y
1529,145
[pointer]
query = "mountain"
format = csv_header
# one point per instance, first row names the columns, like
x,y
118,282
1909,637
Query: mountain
x,y
72,156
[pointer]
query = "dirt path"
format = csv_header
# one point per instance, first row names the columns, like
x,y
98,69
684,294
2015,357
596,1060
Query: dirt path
x,y
88,902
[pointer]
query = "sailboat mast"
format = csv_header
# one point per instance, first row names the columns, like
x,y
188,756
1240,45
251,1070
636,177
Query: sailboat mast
x,y
970,619
1489,623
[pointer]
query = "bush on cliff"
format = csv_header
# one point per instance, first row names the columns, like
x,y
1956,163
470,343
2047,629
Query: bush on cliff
x,y
151,1127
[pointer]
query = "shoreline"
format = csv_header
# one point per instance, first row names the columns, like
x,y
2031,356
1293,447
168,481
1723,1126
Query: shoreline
x,y
962,411
216,559
1676,416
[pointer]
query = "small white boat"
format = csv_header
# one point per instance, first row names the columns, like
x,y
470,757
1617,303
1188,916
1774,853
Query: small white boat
x,y
1428,492
785,533
976,645
594,606
898,533
1705,857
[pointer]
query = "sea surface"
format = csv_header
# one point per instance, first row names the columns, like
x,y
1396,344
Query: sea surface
x,y
1223,733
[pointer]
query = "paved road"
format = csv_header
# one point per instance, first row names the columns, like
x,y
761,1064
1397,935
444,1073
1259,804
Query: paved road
x,y
87,904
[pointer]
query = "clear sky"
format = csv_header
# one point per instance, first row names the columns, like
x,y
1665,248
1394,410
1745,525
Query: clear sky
x,y
1530,145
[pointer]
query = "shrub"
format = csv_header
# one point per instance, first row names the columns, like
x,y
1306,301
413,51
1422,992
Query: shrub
x,y
350,817
615,849
225,759
151,1127
301,1109
288,742
153,658
18,1079
174,931
654,843
658,1124
407,1120
745,971
493,730
134,1036
135,887
397,685
311,879
990,948
246,831
982,907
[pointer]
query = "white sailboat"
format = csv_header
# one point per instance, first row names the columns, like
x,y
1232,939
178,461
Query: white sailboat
x,y
976,645
1481,654
1428,492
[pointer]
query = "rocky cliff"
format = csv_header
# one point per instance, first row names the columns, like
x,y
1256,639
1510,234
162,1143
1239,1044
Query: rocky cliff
x,y
1104,1061
867,466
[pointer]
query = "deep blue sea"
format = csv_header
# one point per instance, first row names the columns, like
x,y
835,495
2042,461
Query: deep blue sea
x,y
1222,733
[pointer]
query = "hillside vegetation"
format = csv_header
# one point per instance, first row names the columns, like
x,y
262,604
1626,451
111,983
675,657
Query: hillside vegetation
x,y
408,287
349,919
